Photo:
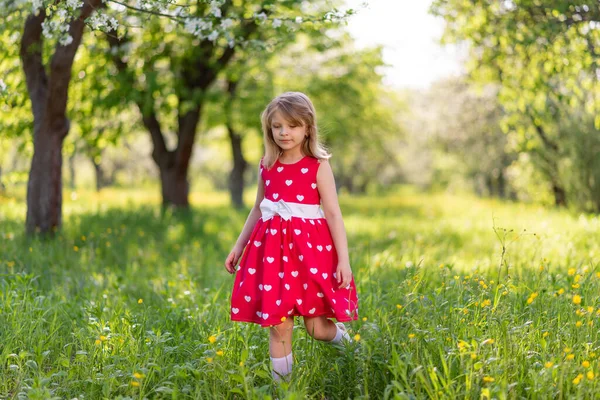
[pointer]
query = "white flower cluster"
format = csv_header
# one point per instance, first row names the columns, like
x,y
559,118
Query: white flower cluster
x,y
101,20
2,86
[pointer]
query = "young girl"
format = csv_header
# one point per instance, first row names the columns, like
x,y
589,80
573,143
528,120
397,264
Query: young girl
x,y
296,260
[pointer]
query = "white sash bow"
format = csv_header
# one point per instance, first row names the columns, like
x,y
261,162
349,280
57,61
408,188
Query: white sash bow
x,y
287,210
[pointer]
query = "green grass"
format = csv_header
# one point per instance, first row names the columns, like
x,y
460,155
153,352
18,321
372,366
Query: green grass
x,y
125,301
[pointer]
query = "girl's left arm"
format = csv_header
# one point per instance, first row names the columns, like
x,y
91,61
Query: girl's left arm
x,y
333,214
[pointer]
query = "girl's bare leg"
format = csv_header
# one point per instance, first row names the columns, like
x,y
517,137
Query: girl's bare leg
x,y
280,348
320,328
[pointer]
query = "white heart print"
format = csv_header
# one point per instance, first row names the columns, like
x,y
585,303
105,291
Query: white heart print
x,y
251,271
278,302
294,273
291,245
313,185
280,275
297,231
314,270
247,298
300,197
328,247
260,287
275,195
320,248
289,182
324,275
287,287
312,310
267,287
270,260
279,169
257,243
299,301
265,316
304,170
320,294
259,314
301,257
285,258
305,286
267,182
273,231
309,245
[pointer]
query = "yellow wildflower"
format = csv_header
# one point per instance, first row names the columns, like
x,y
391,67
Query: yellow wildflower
x,y
585,364
577,299
549,364
212,339
356,337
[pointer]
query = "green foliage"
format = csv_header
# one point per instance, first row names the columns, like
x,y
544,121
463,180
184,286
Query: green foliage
x,y
545,59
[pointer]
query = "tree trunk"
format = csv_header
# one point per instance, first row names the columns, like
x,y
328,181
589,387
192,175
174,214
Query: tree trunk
x,y
48,94
72,171
175,187
44,188
100,177
236,177
560,196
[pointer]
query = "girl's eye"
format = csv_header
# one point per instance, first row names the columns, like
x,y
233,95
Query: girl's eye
x,y
292,126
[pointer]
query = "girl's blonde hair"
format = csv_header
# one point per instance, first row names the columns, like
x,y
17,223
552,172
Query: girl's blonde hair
x,y
296,108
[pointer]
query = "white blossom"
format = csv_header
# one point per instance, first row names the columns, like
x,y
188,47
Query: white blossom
x,y
261,17
113,24
298,20
74,4
66,40
226,23
213,36
215,10
2,85
276,23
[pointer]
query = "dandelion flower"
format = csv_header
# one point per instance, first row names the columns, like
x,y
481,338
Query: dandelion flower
x,y
488,379
219,352
212,339
590,375
411,335
137,375
585,364
135,383
577,299
549,364
140,301
209,360
570,357
571,271
356,337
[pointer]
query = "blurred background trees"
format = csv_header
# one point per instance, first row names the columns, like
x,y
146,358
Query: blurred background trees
x,y
155,102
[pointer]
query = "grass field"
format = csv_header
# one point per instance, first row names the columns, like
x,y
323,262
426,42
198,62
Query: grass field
x,y
459,298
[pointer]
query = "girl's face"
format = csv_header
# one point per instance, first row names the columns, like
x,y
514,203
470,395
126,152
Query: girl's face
x,y
287,135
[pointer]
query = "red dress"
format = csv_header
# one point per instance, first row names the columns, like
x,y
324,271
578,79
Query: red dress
x,y
288,265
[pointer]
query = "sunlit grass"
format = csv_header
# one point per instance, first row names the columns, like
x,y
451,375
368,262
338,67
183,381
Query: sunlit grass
x,y
131,302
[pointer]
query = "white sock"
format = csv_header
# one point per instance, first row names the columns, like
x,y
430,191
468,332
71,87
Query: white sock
x,y
339,335
282,367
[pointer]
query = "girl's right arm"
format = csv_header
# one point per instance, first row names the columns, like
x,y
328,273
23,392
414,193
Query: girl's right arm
x,y
255,214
